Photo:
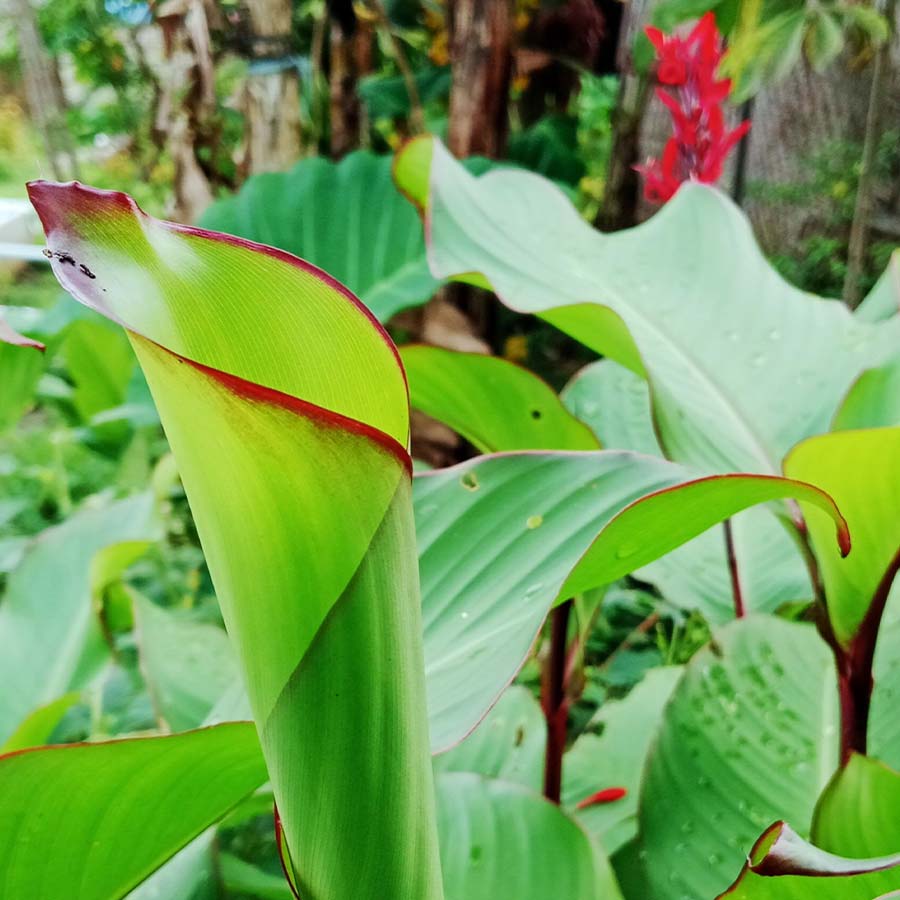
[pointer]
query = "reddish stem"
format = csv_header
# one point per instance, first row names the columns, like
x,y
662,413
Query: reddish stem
x,y
736,591
555,702
854,668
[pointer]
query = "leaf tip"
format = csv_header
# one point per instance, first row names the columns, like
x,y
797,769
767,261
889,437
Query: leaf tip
x,y
55,201
8,335
843,538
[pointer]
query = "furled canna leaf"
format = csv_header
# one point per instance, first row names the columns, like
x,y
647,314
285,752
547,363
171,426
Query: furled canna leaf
x,y
94,820
493,403
741,364
286,408
782,866
346,217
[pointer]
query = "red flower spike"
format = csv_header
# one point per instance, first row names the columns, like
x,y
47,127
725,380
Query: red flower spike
x,y
693,94
607,795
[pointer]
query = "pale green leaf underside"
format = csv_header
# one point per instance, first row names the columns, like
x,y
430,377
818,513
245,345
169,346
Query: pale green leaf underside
x,y
749,736
873,401
616,404
500,840
347,218
50,640
507,745
616,757
494,404
883,300
189,875
742,365
187,665
502,538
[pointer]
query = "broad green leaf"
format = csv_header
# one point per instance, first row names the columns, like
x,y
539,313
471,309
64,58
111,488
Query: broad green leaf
x,y
500,840
50,640
534,529
550,147
824,39
37,727
616,404
387,96
188,665
782,866
765,54
286,409
20,371
494,404
738,399
873,401
615,758
749,736
857,813
859,469
243,878
100,363
508,745
346,218
92,821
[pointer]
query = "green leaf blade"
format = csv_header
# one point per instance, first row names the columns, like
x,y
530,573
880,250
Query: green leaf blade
x,y
129,808
494,404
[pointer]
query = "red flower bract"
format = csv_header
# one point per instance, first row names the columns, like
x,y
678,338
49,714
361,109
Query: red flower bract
x,y
607,795
700,142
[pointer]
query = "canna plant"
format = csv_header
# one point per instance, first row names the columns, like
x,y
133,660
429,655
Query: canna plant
x,y
765,714
285,404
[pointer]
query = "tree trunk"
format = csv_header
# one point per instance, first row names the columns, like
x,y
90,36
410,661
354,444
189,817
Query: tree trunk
x,y
621,196
187,100
272,91
481,44
351,57
862,212
43,89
